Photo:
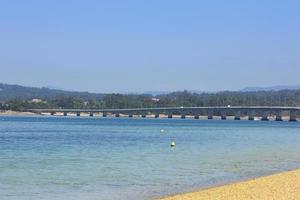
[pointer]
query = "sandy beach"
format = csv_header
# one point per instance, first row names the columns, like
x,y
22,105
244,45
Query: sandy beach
x,y
282,186
16,113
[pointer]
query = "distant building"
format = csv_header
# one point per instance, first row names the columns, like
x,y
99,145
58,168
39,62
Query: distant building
x,y
155,99
36,101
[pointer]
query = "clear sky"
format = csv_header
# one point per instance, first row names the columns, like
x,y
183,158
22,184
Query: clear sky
x,y
150,45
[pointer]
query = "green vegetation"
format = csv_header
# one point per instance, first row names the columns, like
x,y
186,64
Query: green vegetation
x,y
10,92
175,99
20,98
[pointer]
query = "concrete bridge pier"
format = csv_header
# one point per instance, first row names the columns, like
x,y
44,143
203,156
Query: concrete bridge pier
x,y
210,114
223,114
237,115
251,114
293,116
278,115
182,116
262,111
265,116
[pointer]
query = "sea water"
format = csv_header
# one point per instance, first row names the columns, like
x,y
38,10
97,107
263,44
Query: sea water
x,y
84,158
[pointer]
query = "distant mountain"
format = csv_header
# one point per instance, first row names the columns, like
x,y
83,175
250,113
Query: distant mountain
x,y
8,92
271,88
156,93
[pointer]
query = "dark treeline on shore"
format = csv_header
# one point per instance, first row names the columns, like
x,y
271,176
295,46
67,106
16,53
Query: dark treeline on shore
x,y
175,99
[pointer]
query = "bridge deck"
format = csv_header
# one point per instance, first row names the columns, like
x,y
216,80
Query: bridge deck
x,y
174,109
251,111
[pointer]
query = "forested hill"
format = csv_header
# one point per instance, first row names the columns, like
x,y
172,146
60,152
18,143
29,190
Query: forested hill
x,y
9,92
14,97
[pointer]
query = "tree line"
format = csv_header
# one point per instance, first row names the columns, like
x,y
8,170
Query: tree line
x,y
175,99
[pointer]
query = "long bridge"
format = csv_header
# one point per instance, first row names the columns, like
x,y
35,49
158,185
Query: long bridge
x,y
262,112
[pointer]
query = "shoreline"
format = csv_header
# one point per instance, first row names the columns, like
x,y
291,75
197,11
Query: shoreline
x,y
279,186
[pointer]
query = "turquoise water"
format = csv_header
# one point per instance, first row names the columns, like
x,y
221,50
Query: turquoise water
x,y
95,158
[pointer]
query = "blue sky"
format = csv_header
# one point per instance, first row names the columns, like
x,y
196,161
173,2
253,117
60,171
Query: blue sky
x,y
153,45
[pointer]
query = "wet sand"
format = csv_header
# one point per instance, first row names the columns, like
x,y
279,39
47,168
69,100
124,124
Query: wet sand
x,y
282,186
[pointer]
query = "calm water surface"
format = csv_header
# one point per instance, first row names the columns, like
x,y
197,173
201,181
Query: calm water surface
x,y
130,159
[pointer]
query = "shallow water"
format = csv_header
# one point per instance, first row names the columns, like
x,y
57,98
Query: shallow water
x,y
102,158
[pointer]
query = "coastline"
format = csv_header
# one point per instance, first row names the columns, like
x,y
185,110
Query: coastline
x,y
280,186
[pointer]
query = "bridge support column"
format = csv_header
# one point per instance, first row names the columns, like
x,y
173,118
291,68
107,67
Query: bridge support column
x,y
279,115
78,114
265,116
237,115
251,114
210,114
223,114
91,114
293,116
